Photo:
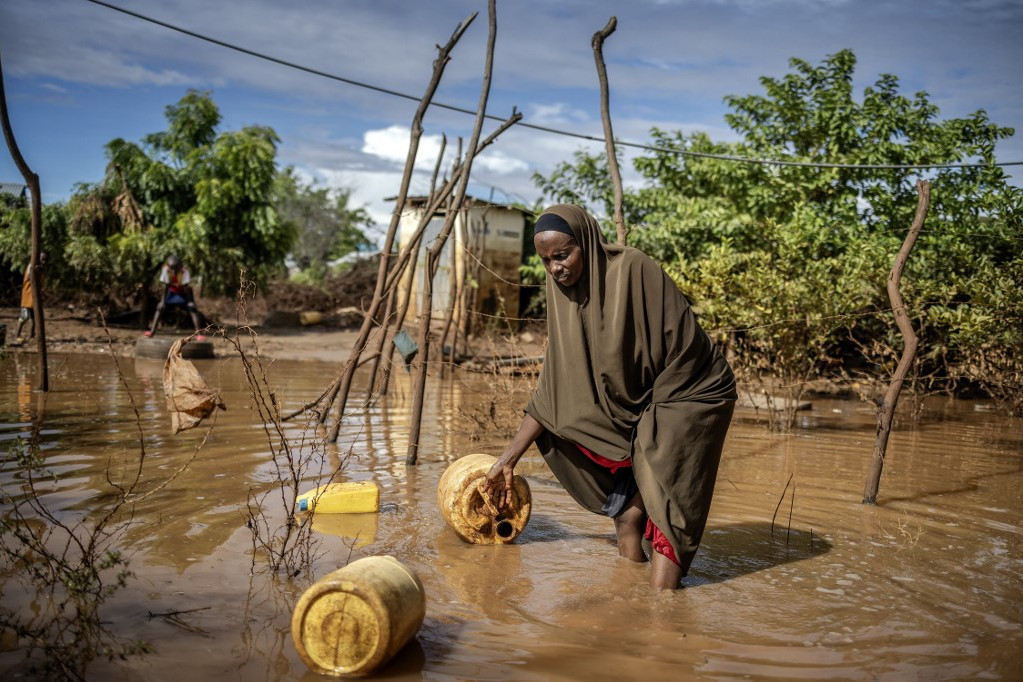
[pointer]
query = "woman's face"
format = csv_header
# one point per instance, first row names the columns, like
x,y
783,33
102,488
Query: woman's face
x,y
561,256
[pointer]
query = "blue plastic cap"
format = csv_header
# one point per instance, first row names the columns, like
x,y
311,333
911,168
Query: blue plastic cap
x,y
303,504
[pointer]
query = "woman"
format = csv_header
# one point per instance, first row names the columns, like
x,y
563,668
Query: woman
x,y
634,400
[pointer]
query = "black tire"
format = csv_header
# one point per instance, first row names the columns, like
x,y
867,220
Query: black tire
x,y
159,346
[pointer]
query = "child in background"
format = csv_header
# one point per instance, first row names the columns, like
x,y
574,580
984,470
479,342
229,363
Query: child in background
x,y
176,292
27,302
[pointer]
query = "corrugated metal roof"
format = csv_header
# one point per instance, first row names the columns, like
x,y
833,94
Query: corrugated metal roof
x,y
13,188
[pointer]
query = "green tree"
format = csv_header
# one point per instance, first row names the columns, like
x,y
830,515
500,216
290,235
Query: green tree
x,y
191,190
327,227
797,257
15,244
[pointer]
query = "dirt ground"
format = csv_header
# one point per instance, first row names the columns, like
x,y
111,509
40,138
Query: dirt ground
x,y
67,331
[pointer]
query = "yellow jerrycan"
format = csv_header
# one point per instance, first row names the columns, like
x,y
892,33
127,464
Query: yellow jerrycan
x,y
348,497
471,512
355,619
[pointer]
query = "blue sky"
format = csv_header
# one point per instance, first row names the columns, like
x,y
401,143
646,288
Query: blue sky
x,y
78,74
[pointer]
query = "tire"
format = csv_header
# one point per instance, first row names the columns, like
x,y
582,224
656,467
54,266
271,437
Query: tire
x,y
159,346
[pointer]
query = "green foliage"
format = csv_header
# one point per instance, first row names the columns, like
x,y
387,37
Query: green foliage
x,y
789,263
205,195
15,245
326,227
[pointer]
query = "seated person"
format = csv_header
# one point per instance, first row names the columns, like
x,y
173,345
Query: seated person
x,y
176,292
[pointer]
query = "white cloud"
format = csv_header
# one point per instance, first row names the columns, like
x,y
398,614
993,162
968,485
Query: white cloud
x,y
499,162
554,114
371,189
392,143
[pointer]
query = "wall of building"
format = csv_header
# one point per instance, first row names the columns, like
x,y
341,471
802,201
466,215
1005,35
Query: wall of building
x,y
492,235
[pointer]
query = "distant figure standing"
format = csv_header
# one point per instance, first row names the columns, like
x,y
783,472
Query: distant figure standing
x,y
177,291
28,302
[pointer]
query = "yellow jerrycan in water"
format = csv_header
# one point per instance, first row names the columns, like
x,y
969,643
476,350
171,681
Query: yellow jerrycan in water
x,y
348,497
471,512
355,619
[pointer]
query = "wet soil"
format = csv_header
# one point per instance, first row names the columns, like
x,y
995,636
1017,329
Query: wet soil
x,y
76,332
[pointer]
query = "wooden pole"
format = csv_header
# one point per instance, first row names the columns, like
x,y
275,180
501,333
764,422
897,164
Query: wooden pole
x,y
399,322
886,410
433,255
467,301
390,326
395,274
35,276
605,113
439,64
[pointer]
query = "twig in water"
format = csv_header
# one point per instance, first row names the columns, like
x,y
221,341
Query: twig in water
x,y
780,499
792,503
165,614
174,618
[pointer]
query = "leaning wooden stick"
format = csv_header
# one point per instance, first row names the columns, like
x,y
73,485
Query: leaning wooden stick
x,y
605,113
35,278
394,303
433,256
886,410
379,291
398,268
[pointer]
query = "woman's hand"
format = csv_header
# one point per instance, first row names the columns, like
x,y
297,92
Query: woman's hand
x,y
501,476
499,483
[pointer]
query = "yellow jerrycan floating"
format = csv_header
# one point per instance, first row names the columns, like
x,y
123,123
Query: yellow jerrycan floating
x,y
471,512
349,497
355,619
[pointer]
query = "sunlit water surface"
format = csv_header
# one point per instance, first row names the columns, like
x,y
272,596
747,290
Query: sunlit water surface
x,y
926,585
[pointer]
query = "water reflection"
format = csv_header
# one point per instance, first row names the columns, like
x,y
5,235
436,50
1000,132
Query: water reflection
x,y
925,585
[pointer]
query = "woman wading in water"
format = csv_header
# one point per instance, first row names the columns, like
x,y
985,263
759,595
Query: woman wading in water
x,y
634,400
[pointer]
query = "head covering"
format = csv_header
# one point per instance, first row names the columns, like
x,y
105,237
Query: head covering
x,y
629,373
552,222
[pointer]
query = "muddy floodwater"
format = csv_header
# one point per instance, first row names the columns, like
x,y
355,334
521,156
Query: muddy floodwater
x,y
926,585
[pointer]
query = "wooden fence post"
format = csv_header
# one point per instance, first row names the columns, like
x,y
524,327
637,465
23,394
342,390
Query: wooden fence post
x,y
886,410
35,277
605,114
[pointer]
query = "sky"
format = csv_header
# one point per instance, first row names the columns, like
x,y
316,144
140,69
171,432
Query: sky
x,y
78,74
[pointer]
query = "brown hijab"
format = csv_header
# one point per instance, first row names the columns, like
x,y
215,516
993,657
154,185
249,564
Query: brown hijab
x,y
629,373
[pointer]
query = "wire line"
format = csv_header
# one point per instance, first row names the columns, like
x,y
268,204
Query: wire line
x,y
541,128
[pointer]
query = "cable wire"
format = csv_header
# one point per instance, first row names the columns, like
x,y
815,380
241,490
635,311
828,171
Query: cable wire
x,y
541,128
